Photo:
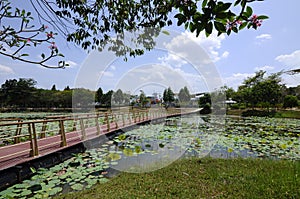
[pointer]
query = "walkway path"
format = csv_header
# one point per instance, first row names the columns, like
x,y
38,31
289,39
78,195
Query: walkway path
x,y
38,139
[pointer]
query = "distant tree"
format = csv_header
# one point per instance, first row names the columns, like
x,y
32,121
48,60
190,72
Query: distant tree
x,y
295,91
261,90
228,91
83,97
290,101
127,98
143,99
118,97
184,95
107,98
168,95
9,92
64,98
53,88
44,98
67,88
99,95
204,100
18,92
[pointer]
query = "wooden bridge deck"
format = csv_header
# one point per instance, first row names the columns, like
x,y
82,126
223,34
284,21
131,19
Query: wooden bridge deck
x,y
12,155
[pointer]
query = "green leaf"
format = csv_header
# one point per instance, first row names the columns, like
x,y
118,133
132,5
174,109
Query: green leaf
x,y
234,29
261,17
225,6
208,28
249,11
243,25
192,27
228,32
219,26
165,32
77,187
204,3
237,2
186,25
32,169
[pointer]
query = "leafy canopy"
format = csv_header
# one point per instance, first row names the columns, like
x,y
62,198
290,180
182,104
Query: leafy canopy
x,y
96,24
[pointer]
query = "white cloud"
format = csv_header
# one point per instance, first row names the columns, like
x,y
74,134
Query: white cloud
x,y
264,37
105,74
211,44
291,60
4,70
225,54
236,79
198,53
160,75
172,60
264,68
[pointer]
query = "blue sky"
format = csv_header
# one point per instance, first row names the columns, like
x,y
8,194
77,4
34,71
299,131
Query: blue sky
x,y
275,46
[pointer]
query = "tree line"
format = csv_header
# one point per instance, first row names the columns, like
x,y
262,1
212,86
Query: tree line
x,y
261,90
264,91
22,93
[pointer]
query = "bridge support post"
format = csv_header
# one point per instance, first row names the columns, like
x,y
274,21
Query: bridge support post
x,y
18,132
107,122
129,118
97,124
44,127
62,133
36,150
32,151
83,135
134,117
116,121
74,124
123,119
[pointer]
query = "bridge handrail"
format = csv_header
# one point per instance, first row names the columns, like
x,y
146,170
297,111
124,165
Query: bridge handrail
x,y
36,130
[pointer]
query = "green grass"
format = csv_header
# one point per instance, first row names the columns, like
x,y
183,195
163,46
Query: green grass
x,y
288,114
205,178
279,113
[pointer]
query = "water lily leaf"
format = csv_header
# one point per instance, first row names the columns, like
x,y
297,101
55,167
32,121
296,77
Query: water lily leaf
x,y
103,180
138,149
113,157
77,187
128,152
113,163
54,191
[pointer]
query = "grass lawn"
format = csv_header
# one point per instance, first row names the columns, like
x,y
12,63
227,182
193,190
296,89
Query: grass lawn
x,y
279,113
288,114
204,178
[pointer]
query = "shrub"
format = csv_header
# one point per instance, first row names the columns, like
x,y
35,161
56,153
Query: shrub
x,y
258,113
290,101
234,106
206,109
